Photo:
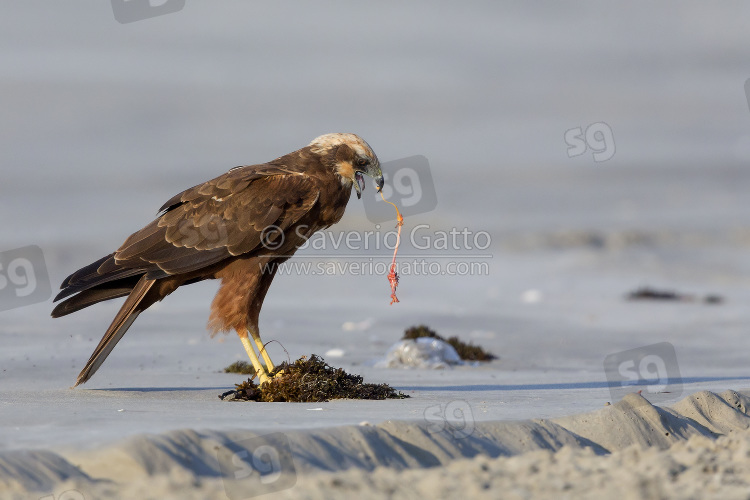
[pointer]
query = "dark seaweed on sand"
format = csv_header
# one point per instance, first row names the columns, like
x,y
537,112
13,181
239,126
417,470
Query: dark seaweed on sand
x,y
310,381
647,293
467,352
241,367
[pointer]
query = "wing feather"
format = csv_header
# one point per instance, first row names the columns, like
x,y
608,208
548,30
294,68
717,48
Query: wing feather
x,y
220,218
203,225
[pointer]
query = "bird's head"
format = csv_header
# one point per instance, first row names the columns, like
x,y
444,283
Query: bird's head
x,y
350,157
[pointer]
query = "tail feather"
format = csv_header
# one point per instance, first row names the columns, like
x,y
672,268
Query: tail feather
x,y
88,298
105,291
90,276
129,311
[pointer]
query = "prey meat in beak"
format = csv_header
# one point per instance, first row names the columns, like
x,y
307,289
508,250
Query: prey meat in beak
x,y
359,184
373,170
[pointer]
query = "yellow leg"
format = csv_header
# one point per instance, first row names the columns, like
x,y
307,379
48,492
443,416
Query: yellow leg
x,y
264,353
262,350
262,374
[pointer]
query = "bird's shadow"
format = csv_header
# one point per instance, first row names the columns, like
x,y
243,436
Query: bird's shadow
x,y
564,385
472,387
158,389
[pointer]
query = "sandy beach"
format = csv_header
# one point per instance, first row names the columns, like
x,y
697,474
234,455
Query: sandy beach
x,y
698,448
574,184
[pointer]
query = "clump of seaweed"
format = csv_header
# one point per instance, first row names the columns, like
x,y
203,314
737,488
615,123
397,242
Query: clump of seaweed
x,y
310,381
467,352
648,293
241,367
246,391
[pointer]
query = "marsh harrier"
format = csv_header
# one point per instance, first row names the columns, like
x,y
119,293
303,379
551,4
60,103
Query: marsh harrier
x,y
237,228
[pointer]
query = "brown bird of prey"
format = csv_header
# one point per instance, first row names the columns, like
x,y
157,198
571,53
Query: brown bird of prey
x,y
237,228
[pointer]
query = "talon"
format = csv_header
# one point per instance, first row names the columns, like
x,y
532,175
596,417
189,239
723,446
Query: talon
x,y
267,377
260,370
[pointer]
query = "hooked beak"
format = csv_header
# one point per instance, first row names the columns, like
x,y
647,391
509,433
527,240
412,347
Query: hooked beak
x,y
373,171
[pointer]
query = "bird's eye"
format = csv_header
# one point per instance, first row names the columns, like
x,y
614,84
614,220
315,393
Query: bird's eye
x,y
361,162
